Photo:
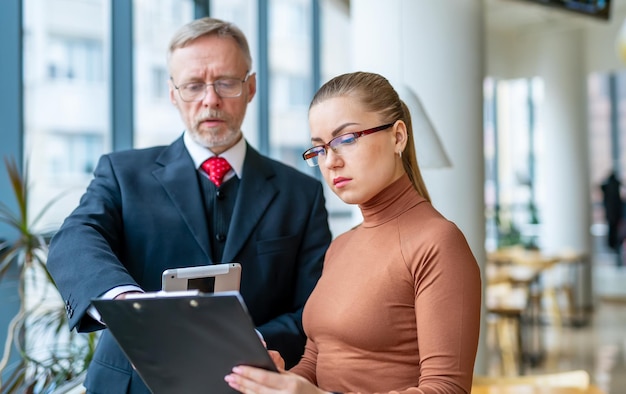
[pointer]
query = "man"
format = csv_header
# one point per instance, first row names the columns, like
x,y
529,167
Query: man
x,y
152,209
613,211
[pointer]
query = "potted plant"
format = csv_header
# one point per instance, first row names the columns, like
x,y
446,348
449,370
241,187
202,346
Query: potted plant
x,y
50,355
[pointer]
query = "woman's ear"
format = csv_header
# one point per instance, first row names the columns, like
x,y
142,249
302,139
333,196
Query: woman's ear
x,y
401,136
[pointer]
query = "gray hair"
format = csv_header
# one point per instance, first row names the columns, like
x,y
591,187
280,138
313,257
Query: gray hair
x,y
206,27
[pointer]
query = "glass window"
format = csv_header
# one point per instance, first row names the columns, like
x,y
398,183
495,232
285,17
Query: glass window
x,y
291,85
66,99
511,131
75,58
244,14
335,53
291,92
156,120
607,143
73,155
295,20
159,87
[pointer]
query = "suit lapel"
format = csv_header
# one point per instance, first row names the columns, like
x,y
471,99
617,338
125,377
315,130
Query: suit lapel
x,y
256,192
179,179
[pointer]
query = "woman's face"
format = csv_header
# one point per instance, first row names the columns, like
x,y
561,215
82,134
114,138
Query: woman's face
x,y
361,170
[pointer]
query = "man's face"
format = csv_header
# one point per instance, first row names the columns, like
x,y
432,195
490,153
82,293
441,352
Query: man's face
x,y
214,122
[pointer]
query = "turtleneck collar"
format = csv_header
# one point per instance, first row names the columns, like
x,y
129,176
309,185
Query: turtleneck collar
x,y
390,203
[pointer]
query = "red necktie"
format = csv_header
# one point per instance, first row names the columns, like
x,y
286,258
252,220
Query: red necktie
x,y
216,168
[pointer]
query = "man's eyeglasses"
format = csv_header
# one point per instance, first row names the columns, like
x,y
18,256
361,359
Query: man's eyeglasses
x,y
224,87
339,145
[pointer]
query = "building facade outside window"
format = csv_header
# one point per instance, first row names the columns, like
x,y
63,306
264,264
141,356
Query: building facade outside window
x,y
154,22
66,98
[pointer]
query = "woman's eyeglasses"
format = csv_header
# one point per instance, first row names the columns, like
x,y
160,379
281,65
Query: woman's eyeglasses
x,y
338,144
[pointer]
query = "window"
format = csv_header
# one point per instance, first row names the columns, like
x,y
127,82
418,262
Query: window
x,y
511,130
66,98
75,59
157,121
295,20
159,88
607,139
291,71
245,15
291,92
67,80
73,155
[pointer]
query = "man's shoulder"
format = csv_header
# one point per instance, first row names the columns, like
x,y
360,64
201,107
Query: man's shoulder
x,y
148,156
283,170
153,151
288,171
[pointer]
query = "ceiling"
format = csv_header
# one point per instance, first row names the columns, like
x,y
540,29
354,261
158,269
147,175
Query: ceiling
x,y
517,15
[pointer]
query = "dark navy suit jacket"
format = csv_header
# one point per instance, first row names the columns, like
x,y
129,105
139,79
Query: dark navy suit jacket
x,y
143,213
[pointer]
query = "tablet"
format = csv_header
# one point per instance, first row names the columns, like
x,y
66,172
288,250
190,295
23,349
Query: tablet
x,y
187,343
206,278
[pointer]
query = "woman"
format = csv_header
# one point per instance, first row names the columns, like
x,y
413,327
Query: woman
x,y
397,308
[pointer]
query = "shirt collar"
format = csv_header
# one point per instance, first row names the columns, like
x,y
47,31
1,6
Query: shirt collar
x,y
235,155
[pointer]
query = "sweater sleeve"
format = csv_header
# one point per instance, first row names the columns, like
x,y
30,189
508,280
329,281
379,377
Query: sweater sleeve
x,y
307,365
447,311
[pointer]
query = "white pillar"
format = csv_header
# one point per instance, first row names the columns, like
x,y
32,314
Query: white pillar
x,y
565,198
563,165
436,47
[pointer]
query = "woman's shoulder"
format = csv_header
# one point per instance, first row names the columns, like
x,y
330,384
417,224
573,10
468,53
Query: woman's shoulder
x,y
424,228
424,215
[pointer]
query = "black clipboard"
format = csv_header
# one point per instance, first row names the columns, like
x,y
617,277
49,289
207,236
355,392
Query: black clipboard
x,y
185,343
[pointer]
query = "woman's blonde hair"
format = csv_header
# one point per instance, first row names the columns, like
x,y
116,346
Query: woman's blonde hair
x,y
377,95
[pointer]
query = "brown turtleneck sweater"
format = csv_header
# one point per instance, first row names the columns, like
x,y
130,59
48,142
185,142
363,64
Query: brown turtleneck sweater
x,y
397,309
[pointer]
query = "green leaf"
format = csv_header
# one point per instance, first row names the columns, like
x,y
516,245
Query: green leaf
x,y
56,361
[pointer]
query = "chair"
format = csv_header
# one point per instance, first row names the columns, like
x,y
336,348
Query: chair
x,y
507,303
578,379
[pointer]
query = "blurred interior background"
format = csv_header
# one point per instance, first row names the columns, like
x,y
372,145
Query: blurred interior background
x,y
519,106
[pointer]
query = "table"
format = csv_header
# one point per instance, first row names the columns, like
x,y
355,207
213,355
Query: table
x,y
524,267
526,389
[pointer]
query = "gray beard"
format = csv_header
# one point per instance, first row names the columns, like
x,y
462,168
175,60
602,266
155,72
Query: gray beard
x,y
210,139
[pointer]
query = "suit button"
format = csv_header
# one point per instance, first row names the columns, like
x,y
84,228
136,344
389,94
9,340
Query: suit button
x,y
220,237
220,195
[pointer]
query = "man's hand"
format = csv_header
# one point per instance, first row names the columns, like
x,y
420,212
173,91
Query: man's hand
x,y
278,360
122,296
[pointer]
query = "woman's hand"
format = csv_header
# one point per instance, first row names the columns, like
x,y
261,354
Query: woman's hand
x,y
251,380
